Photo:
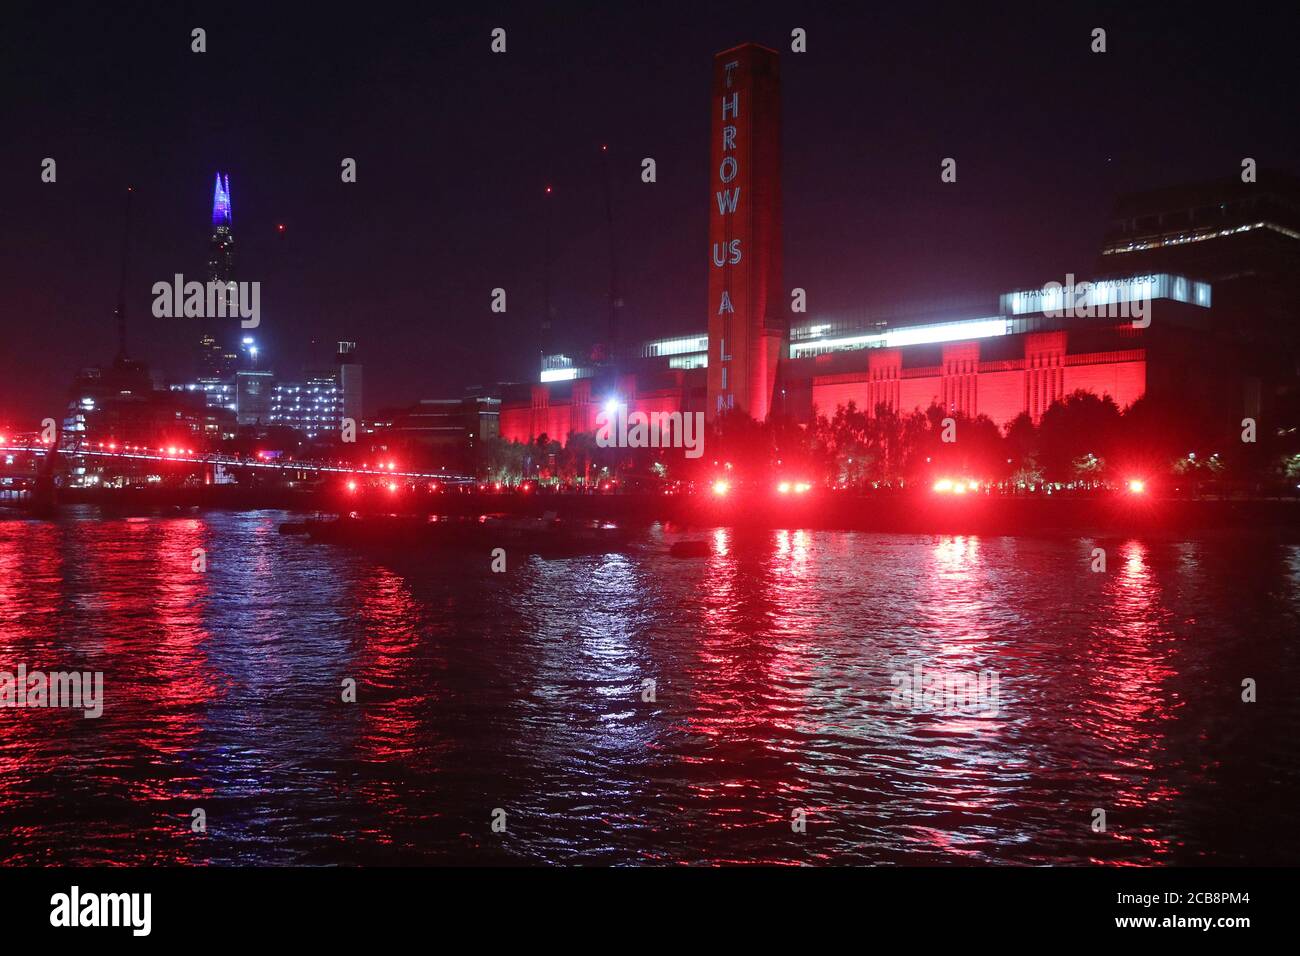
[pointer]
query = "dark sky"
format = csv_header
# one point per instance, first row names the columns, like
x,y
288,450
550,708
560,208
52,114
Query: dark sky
x,y
454,145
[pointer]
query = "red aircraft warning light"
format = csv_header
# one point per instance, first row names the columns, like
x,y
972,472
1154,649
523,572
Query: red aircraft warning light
x,y
1137,486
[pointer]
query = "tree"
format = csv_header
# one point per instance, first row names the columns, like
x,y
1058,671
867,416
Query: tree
x,y
844,438
501,460
1021,444
1072,429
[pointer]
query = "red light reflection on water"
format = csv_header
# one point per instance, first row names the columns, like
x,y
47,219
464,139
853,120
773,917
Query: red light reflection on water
x,y
179,673
136,610
396,692
749,681
768,671
386,664
1128,704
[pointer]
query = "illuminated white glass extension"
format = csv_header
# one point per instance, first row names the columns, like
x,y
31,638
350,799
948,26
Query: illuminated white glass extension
x,y
1056,296
677,346
908,335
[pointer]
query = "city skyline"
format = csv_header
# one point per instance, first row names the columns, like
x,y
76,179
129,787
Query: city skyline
x,y
423,294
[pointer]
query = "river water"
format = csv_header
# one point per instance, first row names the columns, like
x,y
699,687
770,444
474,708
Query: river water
x,y
773,731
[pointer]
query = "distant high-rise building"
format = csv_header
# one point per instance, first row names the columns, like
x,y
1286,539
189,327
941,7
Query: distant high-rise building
x,y
349,379
247,392
1244,237
312,406
253,393
446,431
217,356
317,405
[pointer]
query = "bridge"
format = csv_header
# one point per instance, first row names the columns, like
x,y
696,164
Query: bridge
x,y
189,459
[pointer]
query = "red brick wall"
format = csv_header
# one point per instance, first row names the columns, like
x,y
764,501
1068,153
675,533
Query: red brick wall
x,y
516,423
523,423
1125,382
1000,390
914,393
1001,395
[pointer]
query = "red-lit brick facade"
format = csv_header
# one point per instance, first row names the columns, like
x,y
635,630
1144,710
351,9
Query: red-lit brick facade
x,y
1000,389
557,411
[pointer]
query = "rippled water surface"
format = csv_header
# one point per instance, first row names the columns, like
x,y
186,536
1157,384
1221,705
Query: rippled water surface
x,y
772,660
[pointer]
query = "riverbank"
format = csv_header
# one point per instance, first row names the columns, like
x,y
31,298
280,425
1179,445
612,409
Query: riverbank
x,y
920,512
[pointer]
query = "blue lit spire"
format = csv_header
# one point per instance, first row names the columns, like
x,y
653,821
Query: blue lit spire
x,y
221,212
214,357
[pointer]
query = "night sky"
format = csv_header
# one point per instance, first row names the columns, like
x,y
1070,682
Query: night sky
x,y
454,146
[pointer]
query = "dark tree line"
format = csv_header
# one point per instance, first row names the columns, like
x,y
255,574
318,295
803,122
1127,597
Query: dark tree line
x,y
1081,439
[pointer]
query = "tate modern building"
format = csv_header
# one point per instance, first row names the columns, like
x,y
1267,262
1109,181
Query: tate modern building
x,y
1188,292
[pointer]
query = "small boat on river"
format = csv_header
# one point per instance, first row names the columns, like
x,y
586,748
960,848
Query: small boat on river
x,y
545,535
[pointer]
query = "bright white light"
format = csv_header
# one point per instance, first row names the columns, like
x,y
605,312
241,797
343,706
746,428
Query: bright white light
x,y
914,335
559,374
679,346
